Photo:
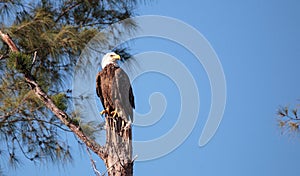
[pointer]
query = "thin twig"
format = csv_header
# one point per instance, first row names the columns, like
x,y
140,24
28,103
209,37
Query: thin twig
x,y
38,120
97,173
21,147
4,56
34,58
67,10
134,158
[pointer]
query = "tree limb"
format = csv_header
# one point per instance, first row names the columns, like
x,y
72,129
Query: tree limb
x,y
61,115
8,41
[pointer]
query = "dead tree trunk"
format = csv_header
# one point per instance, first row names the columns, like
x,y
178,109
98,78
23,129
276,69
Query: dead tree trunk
x,y
118,160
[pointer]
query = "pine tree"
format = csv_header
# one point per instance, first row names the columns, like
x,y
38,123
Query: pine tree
x,y
41,43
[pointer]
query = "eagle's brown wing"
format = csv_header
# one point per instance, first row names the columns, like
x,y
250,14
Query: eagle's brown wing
x,y
122,92
98,88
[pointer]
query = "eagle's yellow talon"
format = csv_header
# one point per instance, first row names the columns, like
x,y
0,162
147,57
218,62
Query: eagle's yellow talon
x,y
103,112
114,113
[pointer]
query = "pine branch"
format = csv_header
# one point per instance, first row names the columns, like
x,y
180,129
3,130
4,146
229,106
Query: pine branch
x,y
61,115
67,10
37,120
7,115
21,147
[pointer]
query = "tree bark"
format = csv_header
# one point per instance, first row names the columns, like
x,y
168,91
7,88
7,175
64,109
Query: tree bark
x,y
6,39
119,147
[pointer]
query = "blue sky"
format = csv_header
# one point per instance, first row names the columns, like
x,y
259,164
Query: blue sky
x,y
257,43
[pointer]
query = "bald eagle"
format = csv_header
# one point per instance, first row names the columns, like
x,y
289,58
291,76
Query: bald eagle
x,y
114,89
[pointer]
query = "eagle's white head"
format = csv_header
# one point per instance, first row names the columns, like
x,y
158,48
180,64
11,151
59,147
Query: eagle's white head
x,y
110,58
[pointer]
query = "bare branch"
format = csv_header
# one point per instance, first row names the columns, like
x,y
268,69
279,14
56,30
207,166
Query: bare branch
x,y
34,58
8,41
95,147
97,173
8,114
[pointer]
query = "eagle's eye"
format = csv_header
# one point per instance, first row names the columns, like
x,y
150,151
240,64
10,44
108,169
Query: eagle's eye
x,y
111,55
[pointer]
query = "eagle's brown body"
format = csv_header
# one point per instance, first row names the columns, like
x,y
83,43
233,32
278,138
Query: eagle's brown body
x,y
115,92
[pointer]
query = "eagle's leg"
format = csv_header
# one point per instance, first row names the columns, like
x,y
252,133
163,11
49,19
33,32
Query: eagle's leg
x,y
114,113
105,111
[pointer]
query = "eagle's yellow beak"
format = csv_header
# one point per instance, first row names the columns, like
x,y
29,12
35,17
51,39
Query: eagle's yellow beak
x,y
116,57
